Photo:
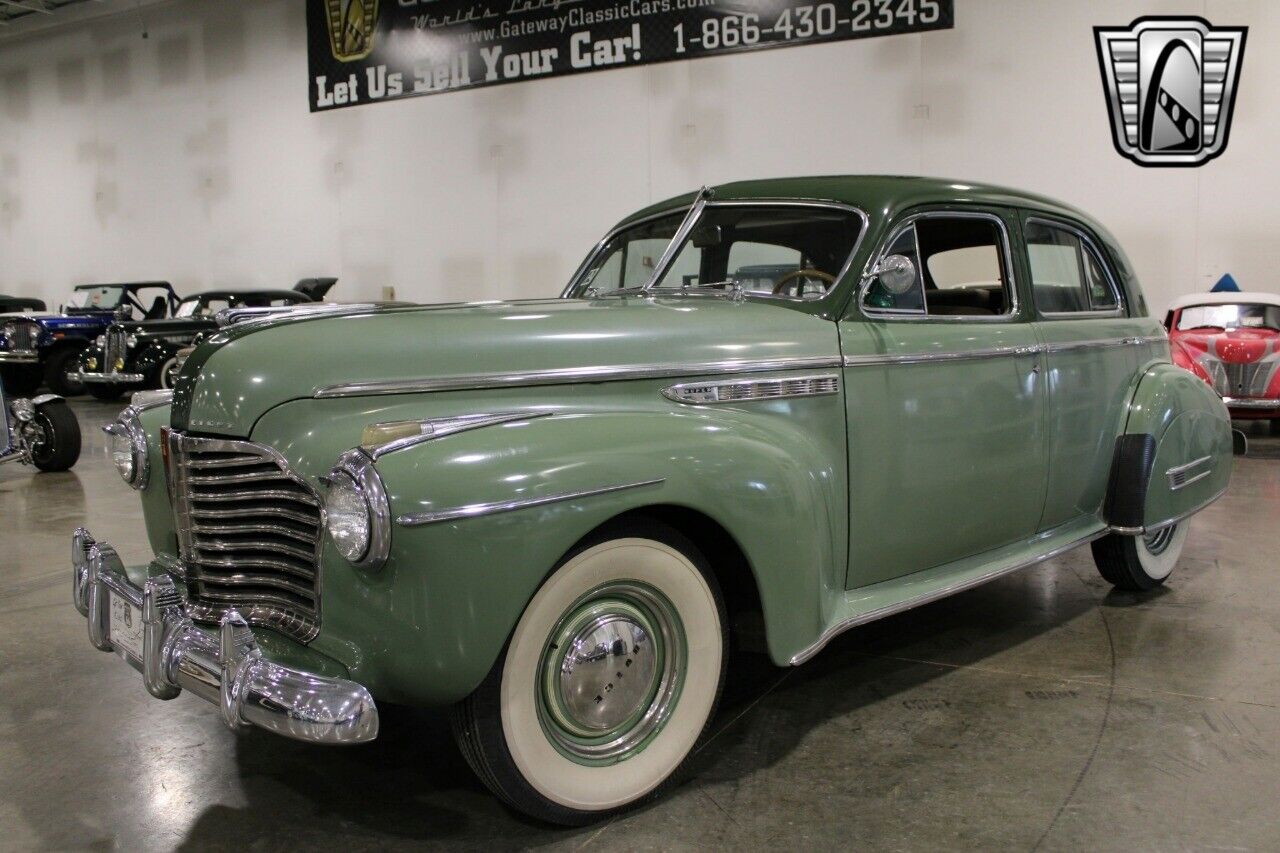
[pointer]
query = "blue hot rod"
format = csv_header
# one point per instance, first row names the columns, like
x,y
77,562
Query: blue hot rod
x,y
45,347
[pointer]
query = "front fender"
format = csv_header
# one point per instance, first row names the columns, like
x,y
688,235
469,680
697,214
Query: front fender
x,y
429,626
1191,461
148,359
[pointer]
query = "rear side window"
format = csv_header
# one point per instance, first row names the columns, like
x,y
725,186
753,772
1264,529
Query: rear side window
x,y
1067,274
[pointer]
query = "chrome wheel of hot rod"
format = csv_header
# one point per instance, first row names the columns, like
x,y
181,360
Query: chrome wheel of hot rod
x,y
610,678
1142,562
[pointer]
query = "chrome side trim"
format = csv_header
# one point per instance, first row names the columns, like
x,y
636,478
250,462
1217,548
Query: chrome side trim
x,y
1180,476
751,390
417,519
997,352
924,357
930,597
569,376
440,427
1251,403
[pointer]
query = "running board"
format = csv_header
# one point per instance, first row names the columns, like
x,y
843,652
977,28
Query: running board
x,y
869,603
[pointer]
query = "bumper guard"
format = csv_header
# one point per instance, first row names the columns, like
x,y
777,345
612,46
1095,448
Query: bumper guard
x,y
109,378
225,668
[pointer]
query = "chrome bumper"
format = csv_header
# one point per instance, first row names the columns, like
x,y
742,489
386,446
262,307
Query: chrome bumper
x,y
20,356
1251,403
224,667
109,378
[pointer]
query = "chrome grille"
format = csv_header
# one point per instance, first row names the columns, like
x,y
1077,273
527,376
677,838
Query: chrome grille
x,y
23,336
1247,380
248,533
114,350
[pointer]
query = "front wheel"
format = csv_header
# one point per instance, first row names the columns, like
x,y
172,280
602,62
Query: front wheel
x,y
57,447
1140,563
609,680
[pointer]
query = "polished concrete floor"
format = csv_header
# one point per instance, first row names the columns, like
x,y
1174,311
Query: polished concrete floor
x,y
1041,712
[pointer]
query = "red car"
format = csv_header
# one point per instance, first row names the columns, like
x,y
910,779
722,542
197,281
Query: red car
x,y
1231,341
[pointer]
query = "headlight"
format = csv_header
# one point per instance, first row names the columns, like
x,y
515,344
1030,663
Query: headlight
x,y
100,341
357,512
129,449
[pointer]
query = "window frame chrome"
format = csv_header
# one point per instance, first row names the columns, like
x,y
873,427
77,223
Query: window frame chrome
x,y
1014,312
669,254
1089,245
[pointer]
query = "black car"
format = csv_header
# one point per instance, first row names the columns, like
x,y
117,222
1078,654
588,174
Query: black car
x,y
142,355
43,347
19,304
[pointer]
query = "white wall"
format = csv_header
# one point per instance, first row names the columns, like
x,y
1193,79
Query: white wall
x,y
190,155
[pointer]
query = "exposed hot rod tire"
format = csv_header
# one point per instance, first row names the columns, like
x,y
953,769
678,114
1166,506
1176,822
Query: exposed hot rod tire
x,y
61,445
1139,563
608,682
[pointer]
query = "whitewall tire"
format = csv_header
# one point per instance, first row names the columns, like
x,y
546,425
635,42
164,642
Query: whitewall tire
x,y
608,682
1143,562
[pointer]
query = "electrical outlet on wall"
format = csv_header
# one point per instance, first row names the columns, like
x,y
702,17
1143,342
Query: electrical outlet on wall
x,y
388,293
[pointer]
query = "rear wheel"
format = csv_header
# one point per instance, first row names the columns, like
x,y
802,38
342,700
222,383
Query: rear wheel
x,y
58,446
609,680
59,365
20,380
1140,563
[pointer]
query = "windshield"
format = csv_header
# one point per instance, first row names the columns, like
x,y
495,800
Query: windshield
x,y
103,296
1243,316
795,251
188,308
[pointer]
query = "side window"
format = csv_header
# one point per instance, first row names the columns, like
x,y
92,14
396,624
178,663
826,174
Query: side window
x,y
1067,276
960,269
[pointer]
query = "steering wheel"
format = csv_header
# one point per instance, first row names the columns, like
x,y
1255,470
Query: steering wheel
x,y
804,273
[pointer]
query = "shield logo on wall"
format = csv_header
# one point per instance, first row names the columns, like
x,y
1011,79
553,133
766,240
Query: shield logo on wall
x,y
1171,86
351,24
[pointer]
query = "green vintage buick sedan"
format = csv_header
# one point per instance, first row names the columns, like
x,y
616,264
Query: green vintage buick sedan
x,y
799,404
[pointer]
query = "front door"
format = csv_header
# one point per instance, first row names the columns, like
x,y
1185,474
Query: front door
x,y
946,402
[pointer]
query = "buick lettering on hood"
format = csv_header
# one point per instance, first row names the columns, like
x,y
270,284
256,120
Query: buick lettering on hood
x,y
759,415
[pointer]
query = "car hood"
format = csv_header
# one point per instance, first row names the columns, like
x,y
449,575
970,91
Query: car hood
x,y
1233,346
243,371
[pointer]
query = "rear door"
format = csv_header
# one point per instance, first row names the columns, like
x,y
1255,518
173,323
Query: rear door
x,y
1091,351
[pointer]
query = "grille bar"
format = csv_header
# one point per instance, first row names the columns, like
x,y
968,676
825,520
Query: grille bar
x,y
248,534
113,352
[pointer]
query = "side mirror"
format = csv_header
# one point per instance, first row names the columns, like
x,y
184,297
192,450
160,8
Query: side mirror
x,y
897,274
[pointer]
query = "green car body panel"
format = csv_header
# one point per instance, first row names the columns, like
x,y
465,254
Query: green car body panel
x,y
917,476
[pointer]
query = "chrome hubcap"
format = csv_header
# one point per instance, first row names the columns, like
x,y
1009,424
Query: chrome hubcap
x,y
606,673
1156,543
611,673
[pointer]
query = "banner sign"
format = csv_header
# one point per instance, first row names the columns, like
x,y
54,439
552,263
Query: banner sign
x,y
362,51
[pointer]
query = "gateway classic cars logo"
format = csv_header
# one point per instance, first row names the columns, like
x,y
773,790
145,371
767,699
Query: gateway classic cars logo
x,y
1170,86
351,25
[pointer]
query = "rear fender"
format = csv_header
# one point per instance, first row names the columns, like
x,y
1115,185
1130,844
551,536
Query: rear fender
x,y
1176,451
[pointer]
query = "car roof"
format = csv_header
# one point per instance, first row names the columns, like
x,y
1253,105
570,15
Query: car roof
x,y
271,294
875,193
129,284
1229,297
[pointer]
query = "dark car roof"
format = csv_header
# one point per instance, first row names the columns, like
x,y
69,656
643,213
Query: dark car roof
x,y
243,294
128,285
22,301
